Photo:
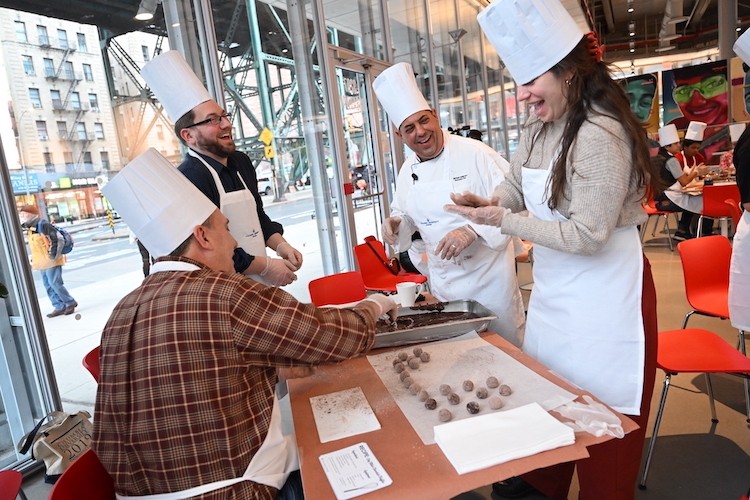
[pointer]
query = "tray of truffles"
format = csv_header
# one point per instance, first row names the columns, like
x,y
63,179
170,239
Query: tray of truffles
x,y
428,322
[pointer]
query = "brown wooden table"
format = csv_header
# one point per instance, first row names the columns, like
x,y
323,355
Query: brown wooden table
x,y
417,470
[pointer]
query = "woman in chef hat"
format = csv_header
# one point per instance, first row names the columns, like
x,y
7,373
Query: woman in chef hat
x,y
582,168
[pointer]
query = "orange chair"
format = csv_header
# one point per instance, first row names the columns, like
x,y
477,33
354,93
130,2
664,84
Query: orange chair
x,y
714,202
10,485
651,211
338,288
91,363
374,266
85,478
693,351
705,268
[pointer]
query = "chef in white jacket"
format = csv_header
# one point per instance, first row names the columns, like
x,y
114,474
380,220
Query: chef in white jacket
x,y
464,261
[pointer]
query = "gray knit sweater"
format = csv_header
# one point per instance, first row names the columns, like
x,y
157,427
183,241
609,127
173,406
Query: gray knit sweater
x,y
600,193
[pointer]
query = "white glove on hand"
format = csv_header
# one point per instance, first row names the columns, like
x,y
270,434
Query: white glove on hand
x,y
455,242
487,215
594,418
278,272
386,305
390,230
467,199
289,254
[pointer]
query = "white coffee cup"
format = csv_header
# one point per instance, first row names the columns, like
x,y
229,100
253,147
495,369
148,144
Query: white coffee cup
x,y
407,293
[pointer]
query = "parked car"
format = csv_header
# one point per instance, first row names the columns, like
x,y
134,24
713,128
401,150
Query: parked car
x,y
265,186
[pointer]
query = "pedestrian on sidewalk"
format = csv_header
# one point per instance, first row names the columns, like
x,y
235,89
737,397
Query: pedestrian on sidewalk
x,y
46,246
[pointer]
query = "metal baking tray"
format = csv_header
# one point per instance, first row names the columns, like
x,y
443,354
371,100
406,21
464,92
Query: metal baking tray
x,y
439,331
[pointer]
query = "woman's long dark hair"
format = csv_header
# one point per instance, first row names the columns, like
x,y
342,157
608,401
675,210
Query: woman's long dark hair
x,y
592,85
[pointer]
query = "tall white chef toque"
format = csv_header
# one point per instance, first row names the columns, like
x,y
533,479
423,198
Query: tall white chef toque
x,y
742,47
530,36
668,135
397,91
160,205
174,84
695,131
735,131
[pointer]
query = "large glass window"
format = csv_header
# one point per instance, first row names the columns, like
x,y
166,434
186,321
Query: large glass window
x,y
81,131
68,72
75,100
62,129
56,99
94,102
99,130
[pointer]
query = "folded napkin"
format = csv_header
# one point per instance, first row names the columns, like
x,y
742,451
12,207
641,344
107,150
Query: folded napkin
x,y
480,442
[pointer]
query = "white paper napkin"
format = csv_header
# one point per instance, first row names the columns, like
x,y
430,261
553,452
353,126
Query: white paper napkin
x,y
342,414
496,438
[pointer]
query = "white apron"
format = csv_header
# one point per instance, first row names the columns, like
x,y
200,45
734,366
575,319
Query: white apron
x,y
241,210
479,273
584,319
739,276
691,202
273,462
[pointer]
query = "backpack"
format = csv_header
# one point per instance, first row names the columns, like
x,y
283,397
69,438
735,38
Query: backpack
x,y
66,236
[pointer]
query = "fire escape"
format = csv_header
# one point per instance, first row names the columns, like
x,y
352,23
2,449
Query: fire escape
x,y
70,108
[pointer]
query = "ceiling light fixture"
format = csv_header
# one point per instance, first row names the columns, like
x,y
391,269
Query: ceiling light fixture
x,y
631,28
146,10
630,7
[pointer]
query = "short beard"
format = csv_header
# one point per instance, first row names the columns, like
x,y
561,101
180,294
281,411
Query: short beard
x,y
215,148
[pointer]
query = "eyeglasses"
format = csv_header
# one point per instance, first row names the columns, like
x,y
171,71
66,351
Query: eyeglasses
x,y
213,120
710,87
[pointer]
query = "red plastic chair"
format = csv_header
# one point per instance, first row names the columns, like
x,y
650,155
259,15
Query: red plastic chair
x,y
91,363
714,201
735,211
338,288
705,267
85,478
693,351
650,208
373,260
10,485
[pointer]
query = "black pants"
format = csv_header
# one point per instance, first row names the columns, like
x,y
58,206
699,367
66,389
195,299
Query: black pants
x,y
292,489
688,220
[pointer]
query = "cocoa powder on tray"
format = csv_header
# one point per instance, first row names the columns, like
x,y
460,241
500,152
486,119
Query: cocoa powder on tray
x,y
413,321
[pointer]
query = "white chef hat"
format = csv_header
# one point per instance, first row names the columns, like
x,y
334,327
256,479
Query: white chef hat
x,y
530,36
398,93
174,83
159,204
695,131
735,131
668,135
742,47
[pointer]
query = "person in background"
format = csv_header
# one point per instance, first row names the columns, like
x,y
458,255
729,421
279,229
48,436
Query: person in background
x,y
739,268
675,199
690,156
463,261
582,168
726,162
190,359
46,246
226,176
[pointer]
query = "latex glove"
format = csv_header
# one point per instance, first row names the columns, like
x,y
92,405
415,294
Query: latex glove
x,y
467,199
289,254
592,417
278,272
386,305
487,215
390,230
455,242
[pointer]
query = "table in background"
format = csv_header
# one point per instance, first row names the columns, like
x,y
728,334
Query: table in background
x,y
417,470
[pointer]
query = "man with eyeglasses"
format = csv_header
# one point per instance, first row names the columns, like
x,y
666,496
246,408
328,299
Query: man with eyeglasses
x,y
226,176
